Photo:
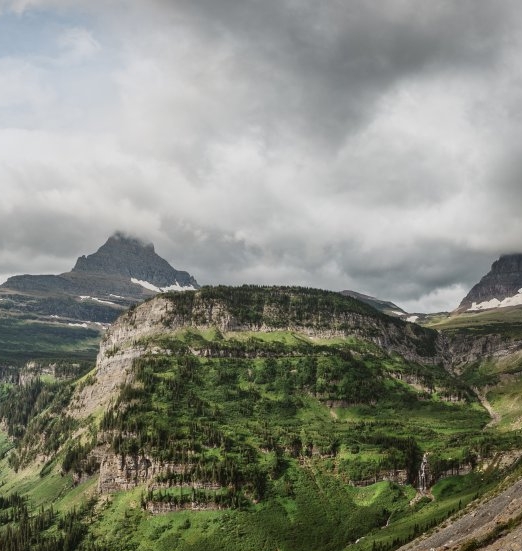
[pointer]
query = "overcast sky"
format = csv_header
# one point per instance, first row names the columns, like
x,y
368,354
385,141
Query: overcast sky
x,y
341,144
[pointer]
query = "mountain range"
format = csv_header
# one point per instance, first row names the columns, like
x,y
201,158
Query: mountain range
x,y
253,417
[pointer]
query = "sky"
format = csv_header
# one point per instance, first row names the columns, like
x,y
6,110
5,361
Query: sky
x,y
344,144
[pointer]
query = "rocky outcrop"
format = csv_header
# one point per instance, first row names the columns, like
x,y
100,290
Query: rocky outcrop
x,y
99,390
384,306
124,472
158,508
503,281
466,348
171,313
34,370
410,341
399,476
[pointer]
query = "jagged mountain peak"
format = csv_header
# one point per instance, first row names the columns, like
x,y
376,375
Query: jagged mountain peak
x,y
119,247
132,258
122,240
123,271
499,288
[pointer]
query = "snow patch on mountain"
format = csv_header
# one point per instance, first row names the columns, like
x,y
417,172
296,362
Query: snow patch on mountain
x,y
515,300
151,287
86,297
177,287
146,285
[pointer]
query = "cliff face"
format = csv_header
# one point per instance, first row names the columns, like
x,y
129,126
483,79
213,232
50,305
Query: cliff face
x,y
278,309
502,282
205,310
465,349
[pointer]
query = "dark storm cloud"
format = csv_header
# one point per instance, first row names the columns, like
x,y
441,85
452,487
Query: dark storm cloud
x,y
321,67
363,145
214,254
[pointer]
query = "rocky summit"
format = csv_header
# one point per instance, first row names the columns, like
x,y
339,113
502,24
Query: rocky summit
x,y
500,288
131,259
121,272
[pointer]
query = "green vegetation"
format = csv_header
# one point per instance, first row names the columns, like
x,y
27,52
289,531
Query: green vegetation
x,y
22,340
297,307
276,426
34,418
254,440
450,496
506,322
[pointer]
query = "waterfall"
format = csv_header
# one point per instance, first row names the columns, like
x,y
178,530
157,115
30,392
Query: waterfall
x,y
422,484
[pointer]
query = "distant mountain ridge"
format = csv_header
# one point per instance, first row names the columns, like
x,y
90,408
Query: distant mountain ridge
x,y
384,306
499,288
123,271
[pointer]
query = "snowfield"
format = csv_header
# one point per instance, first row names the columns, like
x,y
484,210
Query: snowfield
x,y
515,300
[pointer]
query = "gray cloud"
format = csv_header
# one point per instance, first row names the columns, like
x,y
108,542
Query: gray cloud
x,y
355,145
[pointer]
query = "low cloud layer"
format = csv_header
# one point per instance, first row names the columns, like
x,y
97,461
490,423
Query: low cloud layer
x,y
353,145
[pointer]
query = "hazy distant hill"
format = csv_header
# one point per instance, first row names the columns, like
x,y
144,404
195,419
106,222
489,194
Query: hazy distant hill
x,y
382,305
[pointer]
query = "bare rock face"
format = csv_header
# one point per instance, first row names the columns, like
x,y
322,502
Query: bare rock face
x,y
124,472
128,258
118,350
119,472
465,349
503,281
113,369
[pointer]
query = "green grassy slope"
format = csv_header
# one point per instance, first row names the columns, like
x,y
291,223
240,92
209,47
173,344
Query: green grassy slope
x,y
22,340
504,321
262,429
